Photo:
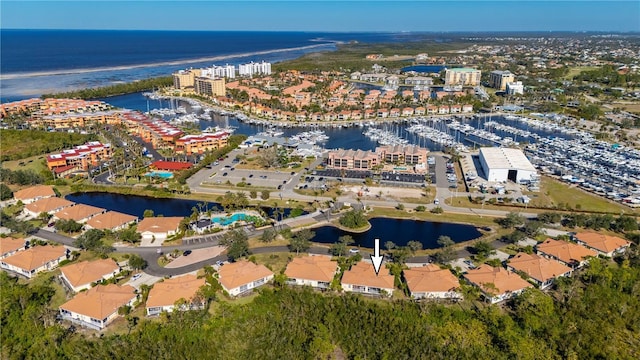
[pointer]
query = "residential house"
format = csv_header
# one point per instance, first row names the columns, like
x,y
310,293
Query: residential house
x,y
10,246
158,228
408,111
467,108
316,271
98,307
444,109
432,109
383,113
34,260
80,213
496,283
567,253
541,271
432,282
395,112
362,278
165,294
241,276
111,220
603,244
420,111
80,276
455,109
34,193
48,205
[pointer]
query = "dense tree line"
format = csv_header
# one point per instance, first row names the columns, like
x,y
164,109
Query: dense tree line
x,y
23,177
20,144
118,89
593,315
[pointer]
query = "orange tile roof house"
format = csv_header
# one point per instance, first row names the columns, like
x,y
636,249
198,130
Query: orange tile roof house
x,y
80,213
362,278
315,271
80,276
432,282
10,246
111,220
239,277
158,228
497,284
98,306
604,244
567,253
542,271
34,260
34,193
48,205
164,295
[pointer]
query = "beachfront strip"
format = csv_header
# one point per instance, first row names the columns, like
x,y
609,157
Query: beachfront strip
x,y
98,299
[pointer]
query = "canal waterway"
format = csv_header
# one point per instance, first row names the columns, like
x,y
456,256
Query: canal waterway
x,y
400,232
136,205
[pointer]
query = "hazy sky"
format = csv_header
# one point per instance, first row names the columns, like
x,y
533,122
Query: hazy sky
x,y
426,15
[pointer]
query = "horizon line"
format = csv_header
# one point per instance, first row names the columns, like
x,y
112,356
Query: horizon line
x,y
345,32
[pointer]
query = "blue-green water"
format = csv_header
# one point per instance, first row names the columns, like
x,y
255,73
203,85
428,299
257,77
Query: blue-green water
x,y
227,220
161,174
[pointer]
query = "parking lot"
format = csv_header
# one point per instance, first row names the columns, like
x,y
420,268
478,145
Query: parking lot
x,y
258,178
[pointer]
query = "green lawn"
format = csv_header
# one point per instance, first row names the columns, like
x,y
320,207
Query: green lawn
x,y
35,163
277,262
444,217
553,192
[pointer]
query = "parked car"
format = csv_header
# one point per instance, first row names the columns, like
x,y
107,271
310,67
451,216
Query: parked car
x,y
186,253
354,251
136,276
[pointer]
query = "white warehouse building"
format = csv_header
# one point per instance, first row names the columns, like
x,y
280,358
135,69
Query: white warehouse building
x,y
502,164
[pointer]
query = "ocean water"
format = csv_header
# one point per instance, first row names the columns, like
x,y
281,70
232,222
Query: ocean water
x,y
33,62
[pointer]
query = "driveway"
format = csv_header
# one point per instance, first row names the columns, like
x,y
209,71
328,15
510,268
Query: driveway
x,y
196,256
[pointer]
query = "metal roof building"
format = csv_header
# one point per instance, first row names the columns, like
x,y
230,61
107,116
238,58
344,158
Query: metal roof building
x,y
502,164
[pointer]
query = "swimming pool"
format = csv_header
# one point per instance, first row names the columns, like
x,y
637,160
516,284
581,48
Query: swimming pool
x,y
227,220
161,174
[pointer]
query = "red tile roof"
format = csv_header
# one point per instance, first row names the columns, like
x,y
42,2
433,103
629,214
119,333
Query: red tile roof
x,y
170,165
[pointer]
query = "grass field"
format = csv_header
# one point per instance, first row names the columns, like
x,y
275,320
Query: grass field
x,y
577,70
35,163
444,217
277,262
553,192
553,195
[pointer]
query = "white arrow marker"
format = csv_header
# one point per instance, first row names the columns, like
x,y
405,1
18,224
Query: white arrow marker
x,y
376,258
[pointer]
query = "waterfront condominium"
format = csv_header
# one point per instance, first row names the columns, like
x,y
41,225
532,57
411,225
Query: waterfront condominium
x,y
250,69
462,76
225,71
209,86
498,79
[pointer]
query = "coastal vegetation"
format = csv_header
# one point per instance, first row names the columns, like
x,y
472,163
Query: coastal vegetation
x,y
352,56
567,322
20,144
112,90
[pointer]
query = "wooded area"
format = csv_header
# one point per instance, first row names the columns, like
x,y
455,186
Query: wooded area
x,y
20,144
594,315
118,89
